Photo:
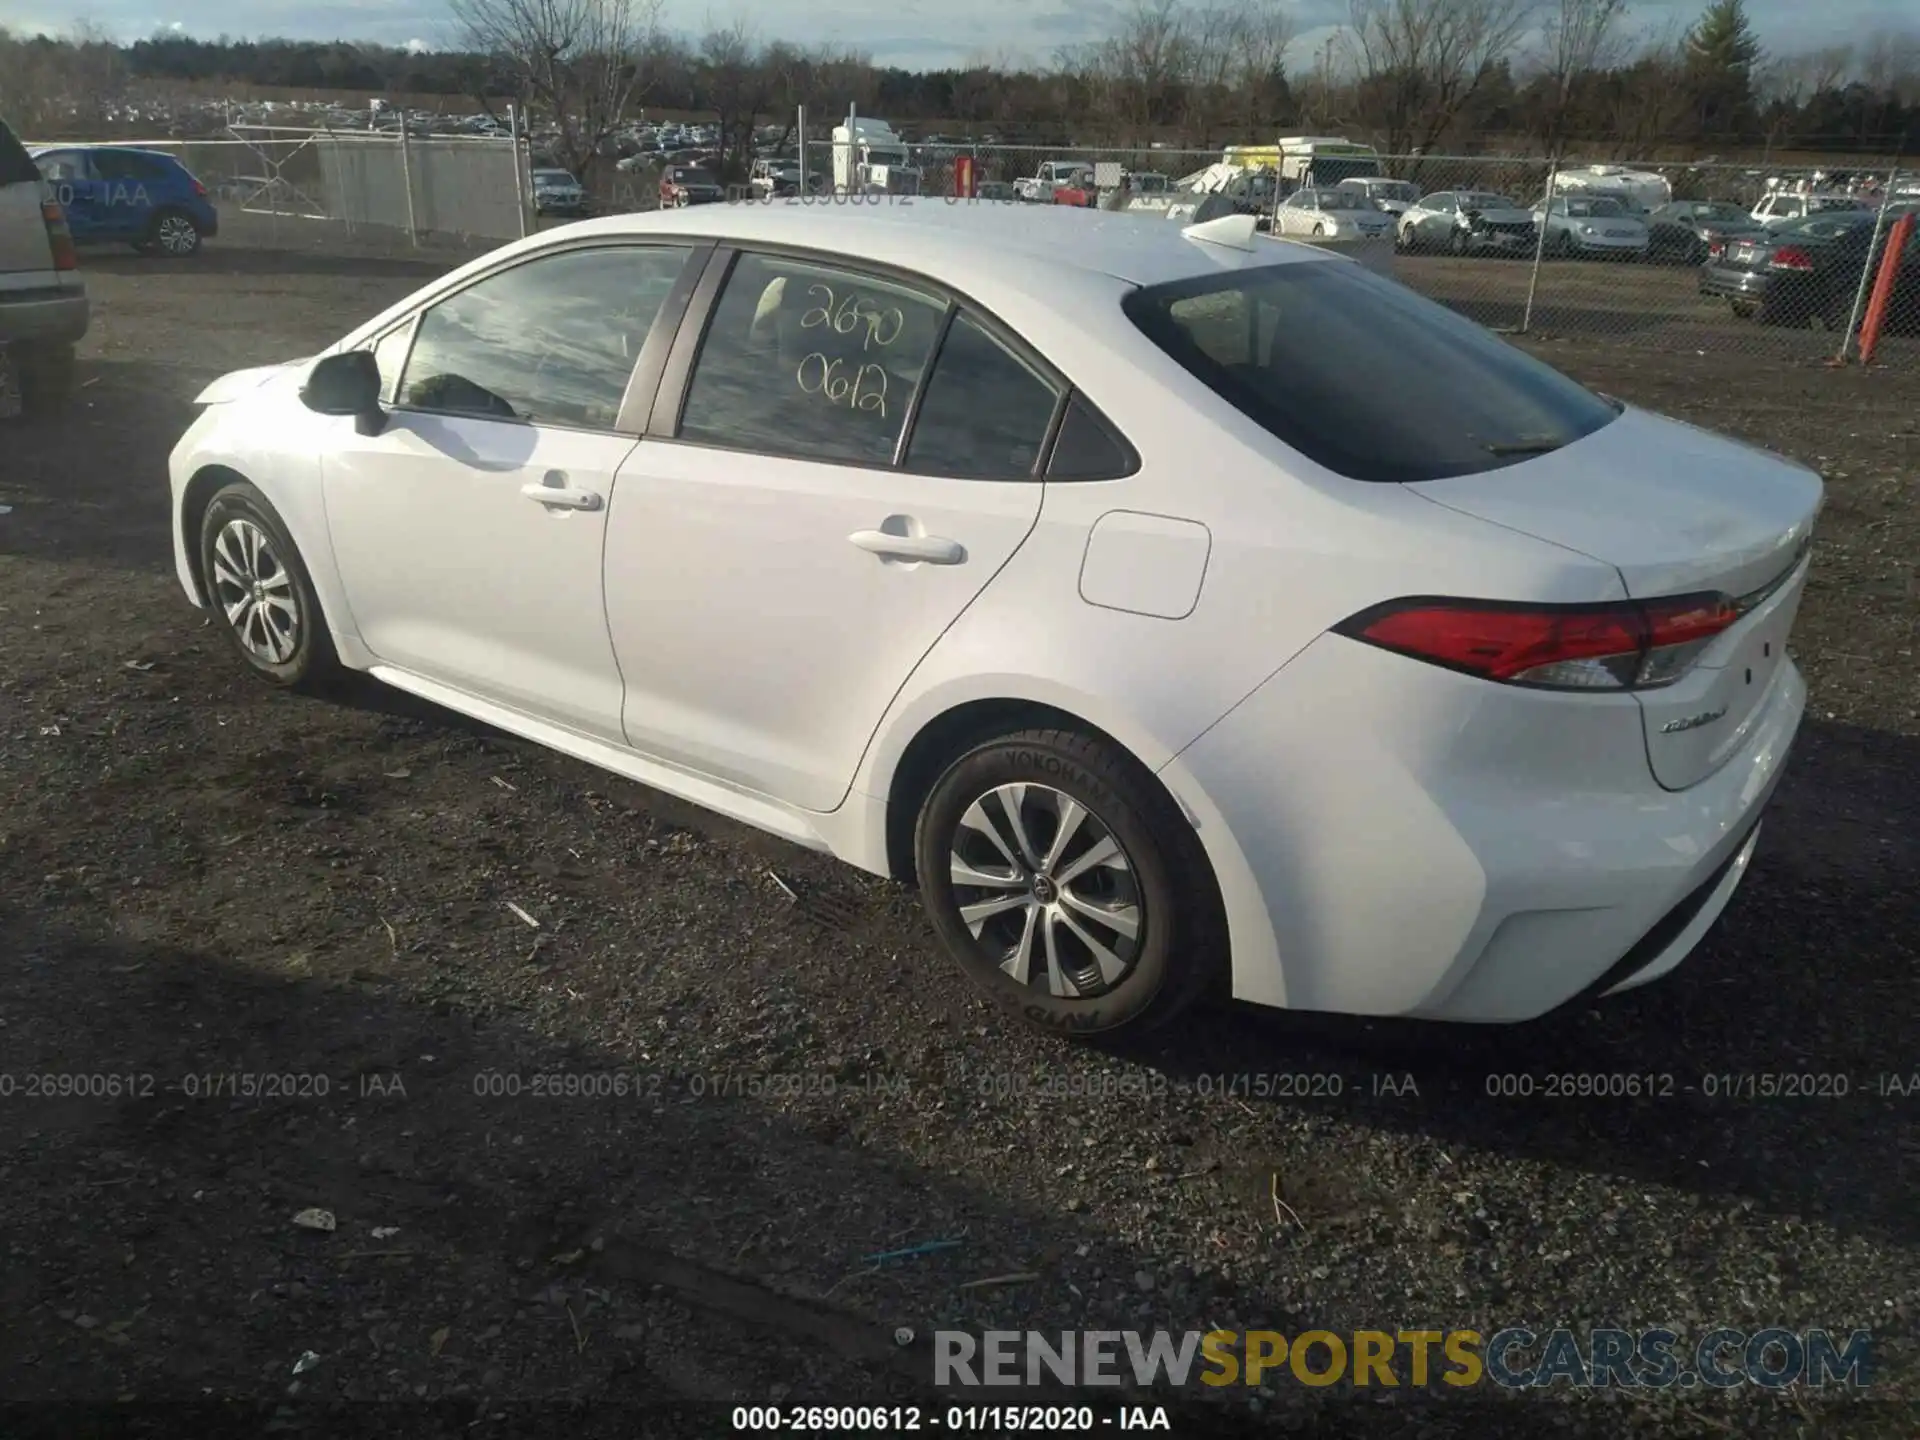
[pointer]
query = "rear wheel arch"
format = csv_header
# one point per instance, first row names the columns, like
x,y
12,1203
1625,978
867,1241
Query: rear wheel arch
x,y
952,734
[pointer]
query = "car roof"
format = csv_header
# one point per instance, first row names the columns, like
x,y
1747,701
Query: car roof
x,y
38,150
964,244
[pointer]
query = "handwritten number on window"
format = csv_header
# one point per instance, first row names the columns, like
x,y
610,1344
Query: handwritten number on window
x,y
864,388
883,326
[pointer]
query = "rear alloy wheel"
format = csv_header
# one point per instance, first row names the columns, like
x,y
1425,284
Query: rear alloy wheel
x,y
174,235
1067,884
260,593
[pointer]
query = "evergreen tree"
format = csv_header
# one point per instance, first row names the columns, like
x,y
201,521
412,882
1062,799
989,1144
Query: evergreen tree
x,y
1722,52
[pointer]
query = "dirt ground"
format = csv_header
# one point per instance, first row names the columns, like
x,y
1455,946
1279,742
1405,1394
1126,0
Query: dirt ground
x,y
747,1096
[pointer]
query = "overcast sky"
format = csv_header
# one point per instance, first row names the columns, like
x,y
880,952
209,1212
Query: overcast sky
x,y
912,33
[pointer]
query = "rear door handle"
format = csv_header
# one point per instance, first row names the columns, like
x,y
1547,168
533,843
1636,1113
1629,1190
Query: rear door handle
x,y
929,549
561,498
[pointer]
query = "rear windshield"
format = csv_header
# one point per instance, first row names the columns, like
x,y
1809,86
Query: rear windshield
x,y
1362,375
16,166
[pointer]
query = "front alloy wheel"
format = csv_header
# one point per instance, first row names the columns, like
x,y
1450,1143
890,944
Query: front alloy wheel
x,y
254,591
1067,884
260,593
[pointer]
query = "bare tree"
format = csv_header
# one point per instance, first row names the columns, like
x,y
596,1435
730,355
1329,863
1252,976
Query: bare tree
x,y
1259,73
1648,100
1418,62
1580,39
579,63
736,87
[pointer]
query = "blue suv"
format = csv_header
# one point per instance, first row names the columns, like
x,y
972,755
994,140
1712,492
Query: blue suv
x,y
143,198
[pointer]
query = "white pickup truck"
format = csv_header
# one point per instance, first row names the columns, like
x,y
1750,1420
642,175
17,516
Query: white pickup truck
x,y
1053,175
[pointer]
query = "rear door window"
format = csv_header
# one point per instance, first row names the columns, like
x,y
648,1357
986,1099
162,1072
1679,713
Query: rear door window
x,y
986,412
1362,375
810,361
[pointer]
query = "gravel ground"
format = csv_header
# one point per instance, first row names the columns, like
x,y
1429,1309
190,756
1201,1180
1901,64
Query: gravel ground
x,y
200,877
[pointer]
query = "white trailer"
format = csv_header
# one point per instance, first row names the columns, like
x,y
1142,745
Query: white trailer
x,y
870,158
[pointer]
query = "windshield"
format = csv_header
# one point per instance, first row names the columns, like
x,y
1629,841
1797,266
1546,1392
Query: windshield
x,y
1485,202
1362,375
1721,212
1595,208
1392,190
1824,227
693,177
882,155
1344,200
553,177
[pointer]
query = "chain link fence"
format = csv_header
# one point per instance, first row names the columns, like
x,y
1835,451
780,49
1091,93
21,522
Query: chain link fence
x,y
316,185
1683,258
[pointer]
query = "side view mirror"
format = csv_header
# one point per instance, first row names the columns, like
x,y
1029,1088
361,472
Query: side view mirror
x,y
347,384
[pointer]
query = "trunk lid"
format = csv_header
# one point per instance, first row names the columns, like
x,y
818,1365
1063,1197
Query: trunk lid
x,y
1677,511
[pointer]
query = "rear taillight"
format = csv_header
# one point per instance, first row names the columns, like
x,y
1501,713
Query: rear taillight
x,y
59,237
199,189
1626,646
1790,257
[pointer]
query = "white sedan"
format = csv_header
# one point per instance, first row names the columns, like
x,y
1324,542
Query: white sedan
x,y
1175,605
1331,214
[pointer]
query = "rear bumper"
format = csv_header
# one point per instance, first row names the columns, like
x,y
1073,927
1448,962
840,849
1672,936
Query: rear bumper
x,y
1733,284
44,316
1395,839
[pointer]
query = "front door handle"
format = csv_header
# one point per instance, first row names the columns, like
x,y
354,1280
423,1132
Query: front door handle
x,y
561,498
928,549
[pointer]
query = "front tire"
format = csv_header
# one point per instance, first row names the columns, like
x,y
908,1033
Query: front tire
x,y
260,594
1068,885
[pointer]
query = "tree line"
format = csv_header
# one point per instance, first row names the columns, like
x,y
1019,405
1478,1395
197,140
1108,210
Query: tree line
x,y
1454,76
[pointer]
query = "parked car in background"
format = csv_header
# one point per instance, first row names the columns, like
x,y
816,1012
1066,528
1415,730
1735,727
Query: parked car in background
x,y
771,178
1783,207
1333,214
1686,231
1052,175
1807,272
1476,714
1393,196
43,303
1002,191
557,192
115,193
1596,225
1466,222
683,185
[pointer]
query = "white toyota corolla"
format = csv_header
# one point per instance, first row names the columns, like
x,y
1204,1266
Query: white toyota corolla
x,y
1175,605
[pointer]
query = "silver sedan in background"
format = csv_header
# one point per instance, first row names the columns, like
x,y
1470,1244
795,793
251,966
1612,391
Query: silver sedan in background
x,y
1593,225
1332,215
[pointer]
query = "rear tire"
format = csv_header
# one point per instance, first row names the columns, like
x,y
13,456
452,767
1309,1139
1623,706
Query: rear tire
x,y
1094,913
260,594
173,235
1744,309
